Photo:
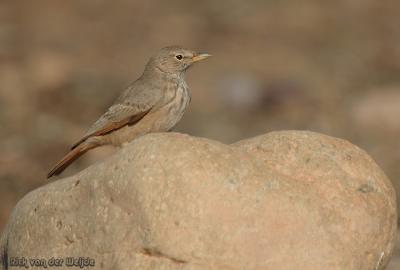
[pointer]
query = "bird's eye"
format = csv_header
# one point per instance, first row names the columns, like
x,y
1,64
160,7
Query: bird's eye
x,y
179,57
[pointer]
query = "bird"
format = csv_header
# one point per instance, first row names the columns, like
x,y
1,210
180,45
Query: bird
x,y
155,102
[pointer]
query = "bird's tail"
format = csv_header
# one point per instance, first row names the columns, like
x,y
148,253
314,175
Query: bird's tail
x,y
70,157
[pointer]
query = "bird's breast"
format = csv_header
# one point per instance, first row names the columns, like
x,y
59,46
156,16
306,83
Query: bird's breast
x,y
177,98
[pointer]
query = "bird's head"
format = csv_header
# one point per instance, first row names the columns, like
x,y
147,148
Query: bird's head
x,y
175,59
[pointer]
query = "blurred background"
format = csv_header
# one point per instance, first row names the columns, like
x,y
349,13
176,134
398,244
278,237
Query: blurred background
x,y
327,66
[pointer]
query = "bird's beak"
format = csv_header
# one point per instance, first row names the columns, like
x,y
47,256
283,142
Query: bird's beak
x,y
200,56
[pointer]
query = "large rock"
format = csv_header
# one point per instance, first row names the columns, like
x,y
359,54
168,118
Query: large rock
x,y
285,200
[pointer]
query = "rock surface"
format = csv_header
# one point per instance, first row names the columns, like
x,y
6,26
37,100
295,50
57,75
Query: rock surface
x,y
284,200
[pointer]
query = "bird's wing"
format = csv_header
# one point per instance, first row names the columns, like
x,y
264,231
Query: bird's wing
x,y
131,106
116,117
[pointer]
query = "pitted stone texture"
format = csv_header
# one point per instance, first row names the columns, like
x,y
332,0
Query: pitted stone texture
x,y
284,200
